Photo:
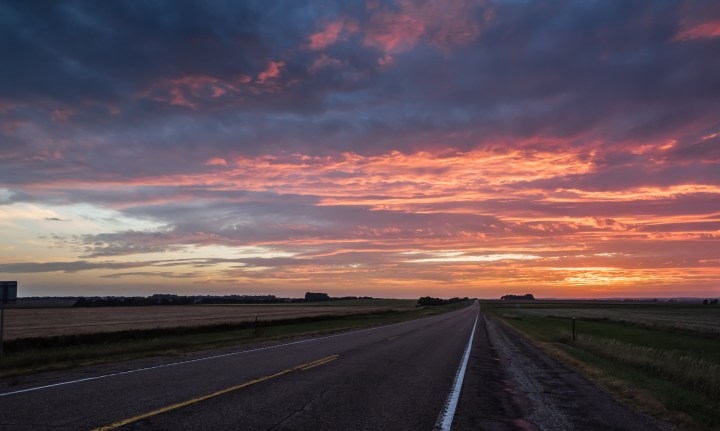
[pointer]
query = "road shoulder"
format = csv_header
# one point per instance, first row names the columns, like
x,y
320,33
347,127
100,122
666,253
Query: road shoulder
x,y
555,397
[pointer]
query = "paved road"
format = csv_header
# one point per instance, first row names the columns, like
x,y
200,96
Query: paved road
x,y
397,377
392,377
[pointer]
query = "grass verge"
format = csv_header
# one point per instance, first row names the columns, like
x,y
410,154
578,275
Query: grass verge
x,y
671,375
29,355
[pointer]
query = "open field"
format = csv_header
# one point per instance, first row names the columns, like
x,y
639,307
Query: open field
x,y
663,358
45,322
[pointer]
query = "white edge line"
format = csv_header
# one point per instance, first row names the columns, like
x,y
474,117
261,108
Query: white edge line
x,y
37,388
444,421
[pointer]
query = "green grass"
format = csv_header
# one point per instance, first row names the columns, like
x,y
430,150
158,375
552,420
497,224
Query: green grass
x,y
680,317
26,356
677,369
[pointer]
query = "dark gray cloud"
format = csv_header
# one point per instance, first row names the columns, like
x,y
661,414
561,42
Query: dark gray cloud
x,y
86,76
68,267
163,274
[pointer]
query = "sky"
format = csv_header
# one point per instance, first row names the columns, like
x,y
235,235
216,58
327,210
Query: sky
x,y
402,148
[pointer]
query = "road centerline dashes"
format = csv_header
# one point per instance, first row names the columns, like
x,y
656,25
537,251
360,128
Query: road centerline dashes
x,y
205,358
302,367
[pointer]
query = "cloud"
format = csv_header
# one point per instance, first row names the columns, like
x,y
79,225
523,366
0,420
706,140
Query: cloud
x,y
707,149
444,24
458,257
272,71
67,267
705,30
328,36
163,274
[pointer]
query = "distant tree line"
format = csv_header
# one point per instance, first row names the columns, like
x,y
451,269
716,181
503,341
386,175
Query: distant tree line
x,y
525,297
170,299
710,301
318,296
429,300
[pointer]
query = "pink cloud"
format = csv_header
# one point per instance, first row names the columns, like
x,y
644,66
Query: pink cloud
x,y
7,106
393,32
706,30
62,114
184,91
177,98
272,71
216,161
444,24
326,37
385,60
193,90
324,61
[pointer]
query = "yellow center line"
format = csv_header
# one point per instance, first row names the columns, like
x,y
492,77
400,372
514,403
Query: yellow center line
x,y
317,363
176,406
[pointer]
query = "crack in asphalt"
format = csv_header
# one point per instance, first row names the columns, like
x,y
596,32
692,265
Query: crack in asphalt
x,y
304,407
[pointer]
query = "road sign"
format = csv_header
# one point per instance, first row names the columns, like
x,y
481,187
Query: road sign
x,y
8,295
8,292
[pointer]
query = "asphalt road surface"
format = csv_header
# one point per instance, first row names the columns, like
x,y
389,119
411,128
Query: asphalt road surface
x,y
408,376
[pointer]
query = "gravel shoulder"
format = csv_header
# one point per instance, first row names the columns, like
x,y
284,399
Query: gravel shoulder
x,y
547,395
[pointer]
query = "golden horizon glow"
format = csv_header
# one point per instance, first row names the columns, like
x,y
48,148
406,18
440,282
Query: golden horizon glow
x,y
524,244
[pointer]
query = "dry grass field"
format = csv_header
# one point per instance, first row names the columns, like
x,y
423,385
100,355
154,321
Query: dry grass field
x,y
43,322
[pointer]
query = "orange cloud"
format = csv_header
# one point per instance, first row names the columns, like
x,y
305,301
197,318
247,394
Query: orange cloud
x,y
393,180
449,235
640,193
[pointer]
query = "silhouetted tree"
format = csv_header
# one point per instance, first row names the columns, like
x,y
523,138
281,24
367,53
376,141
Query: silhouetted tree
x,y
316,296
526,297
428,300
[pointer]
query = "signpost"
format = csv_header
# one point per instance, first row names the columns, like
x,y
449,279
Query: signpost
x,y
8,295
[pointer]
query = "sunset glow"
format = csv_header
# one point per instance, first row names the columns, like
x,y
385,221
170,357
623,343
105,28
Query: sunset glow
x,y
383,148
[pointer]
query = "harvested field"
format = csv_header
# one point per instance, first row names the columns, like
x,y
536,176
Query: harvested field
x,y
23,323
